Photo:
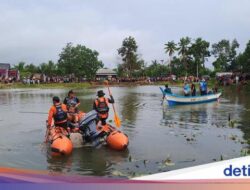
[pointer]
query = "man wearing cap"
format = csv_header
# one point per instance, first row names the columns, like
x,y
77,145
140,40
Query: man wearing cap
x,y
58,113
101,106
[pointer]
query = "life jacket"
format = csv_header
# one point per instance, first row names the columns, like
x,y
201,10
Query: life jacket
x,y
60,115
203,86
102,105
71,101
186,88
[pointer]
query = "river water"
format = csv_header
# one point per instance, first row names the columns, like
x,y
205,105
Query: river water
x,y
161,138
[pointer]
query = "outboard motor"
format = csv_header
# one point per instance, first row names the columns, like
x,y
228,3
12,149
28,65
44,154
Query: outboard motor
x,y
88,126
113,137
88,117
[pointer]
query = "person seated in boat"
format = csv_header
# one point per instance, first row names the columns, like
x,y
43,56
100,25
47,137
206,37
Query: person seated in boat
x,y
58,114
71,99
167,89
203,87
193,89
74,116
186,89
101,106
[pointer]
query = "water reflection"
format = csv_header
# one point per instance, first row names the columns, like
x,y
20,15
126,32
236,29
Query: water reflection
x,y
190,135
87,161
129,107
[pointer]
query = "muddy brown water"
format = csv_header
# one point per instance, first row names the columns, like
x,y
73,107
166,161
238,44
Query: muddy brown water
x,y
161,138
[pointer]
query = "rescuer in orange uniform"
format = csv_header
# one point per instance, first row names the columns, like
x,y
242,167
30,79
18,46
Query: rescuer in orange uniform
x,y
58,113
101,106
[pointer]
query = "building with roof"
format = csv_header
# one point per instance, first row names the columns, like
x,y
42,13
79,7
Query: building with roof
x,y
6,73
14,74
106,74
4,70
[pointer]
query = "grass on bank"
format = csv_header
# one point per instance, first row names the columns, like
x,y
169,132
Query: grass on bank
x,y
46,86
211,84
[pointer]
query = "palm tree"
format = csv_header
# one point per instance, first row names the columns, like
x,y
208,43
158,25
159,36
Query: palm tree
x,y
170,48
183,50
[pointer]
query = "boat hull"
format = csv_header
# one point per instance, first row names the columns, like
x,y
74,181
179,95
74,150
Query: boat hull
x,y
173,99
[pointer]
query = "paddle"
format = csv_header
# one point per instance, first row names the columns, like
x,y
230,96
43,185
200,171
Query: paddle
x,y
116,118
164,96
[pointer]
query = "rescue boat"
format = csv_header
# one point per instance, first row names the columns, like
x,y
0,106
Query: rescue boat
x,y
89,132
60,144
94,132
175,99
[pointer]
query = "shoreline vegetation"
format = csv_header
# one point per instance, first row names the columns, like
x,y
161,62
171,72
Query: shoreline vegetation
x,y
75,85
187,57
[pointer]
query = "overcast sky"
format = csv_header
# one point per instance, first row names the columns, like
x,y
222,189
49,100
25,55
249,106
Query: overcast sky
x,y
35,31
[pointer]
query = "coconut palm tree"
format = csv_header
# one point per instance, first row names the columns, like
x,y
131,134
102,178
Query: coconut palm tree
x,y
170,48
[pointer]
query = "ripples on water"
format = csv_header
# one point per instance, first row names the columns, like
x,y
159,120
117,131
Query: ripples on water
x,y
162,138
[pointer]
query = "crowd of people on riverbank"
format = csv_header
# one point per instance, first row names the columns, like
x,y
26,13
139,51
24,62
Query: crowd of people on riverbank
x,y
223,80
226,80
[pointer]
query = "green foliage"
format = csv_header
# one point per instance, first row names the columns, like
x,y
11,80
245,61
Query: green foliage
x,y
20,66
49,68
157,70
200,51
191,55
170,48
31,68
225,54
184,46
128,52
243,60
79,60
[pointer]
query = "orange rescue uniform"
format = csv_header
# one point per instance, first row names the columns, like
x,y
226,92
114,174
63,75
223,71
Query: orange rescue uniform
x,y
53,112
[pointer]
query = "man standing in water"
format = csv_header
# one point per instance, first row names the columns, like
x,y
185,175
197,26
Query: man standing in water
x,y
58,113
101,106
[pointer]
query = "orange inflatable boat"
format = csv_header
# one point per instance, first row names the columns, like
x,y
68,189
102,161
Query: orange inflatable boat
x,y
60,144
92,131
89,131
115,139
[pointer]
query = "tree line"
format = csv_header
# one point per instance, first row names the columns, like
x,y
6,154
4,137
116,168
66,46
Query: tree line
x,y
185,57
77,60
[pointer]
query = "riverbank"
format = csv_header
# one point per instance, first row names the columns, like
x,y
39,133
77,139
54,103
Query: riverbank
x,y
46,86
81,85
